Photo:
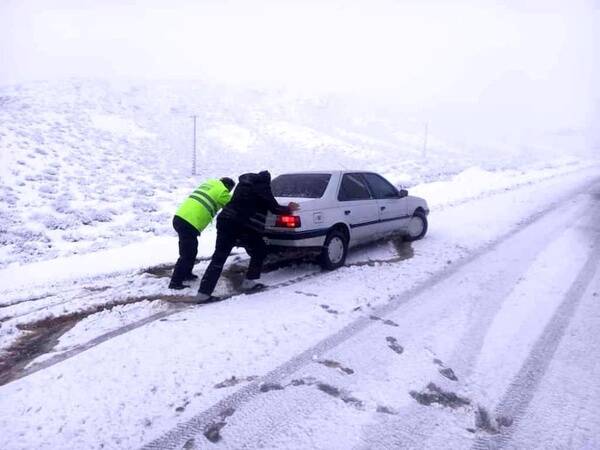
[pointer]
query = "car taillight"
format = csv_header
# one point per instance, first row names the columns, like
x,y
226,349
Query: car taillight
x,y
286,221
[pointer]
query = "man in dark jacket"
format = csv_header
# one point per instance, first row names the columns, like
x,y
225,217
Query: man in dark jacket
x,y
241,223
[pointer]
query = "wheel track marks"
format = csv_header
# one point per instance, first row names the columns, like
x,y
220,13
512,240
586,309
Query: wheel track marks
x,y
524,385
184,431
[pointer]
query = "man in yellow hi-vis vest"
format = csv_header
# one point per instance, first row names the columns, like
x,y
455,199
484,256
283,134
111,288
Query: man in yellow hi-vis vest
x,y
193,216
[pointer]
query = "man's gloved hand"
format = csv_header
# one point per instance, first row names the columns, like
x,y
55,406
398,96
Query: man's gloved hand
x,y
293,206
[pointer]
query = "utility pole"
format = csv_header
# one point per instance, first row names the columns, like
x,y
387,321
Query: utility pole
x,y
194,154
425,141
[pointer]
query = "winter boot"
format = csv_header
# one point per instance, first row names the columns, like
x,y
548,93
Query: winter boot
x,y
251,285
178,286
201,297
190,277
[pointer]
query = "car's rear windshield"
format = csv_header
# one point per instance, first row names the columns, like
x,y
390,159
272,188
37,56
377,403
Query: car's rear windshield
x,y
304,185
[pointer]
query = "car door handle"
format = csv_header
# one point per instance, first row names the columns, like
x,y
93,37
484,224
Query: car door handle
x,y
347,212
382,208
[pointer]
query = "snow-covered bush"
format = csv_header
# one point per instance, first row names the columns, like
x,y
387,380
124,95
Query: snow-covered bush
x,y
145,191
77,236
62,203
48,189
8,197
144,205
101,215
22,235
52,222
51,170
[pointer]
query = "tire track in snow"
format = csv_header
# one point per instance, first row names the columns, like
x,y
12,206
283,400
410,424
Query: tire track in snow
x,y
498,288
198,424
98,279
61,300
174,308
41,295
522,389
414,427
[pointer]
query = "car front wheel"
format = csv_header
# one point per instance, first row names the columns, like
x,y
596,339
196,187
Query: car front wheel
x,y
334,250
417,226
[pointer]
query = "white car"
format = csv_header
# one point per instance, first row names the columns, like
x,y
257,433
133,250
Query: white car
x,y
340,209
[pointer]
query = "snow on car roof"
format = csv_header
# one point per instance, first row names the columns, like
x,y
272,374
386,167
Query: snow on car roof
x,y
322,171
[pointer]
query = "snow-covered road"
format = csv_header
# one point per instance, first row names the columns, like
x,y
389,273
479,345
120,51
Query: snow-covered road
x,y
481,335
477,359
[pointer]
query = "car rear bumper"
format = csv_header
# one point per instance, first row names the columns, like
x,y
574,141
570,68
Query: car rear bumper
x,y
308,238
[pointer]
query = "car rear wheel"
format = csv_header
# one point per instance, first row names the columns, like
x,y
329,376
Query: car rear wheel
x,y
334,250
417,226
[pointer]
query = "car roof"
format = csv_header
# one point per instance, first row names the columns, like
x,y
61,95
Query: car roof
x,y
336,171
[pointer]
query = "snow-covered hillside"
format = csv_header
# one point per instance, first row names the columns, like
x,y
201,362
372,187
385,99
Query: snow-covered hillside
x,y
88,165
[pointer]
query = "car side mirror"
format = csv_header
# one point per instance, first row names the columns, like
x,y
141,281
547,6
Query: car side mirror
x,y
402,193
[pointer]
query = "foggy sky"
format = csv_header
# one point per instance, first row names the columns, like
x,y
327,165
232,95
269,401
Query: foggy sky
x,y
540,60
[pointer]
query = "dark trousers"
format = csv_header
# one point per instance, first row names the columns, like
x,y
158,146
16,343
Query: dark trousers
x,y
229,235
188,249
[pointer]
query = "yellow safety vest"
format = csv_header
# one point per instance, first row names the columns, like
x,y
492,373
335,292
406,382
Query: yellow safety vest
x,y
203,204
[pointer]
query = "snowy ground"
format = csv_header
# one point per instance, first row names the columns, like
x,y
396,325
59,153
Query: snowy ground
x,y
477,336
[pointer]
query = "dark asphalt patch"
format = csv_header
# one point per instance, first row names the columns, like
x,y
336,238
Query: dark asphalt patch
x,y
353,401
386,410
213,431
435,394
234,381
267,387
504,421
393,344
445,371
181,408
389,322
449,373
190,444
308,294
329,310
338,393
335,365
484,422
328,389
303,382
96,288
